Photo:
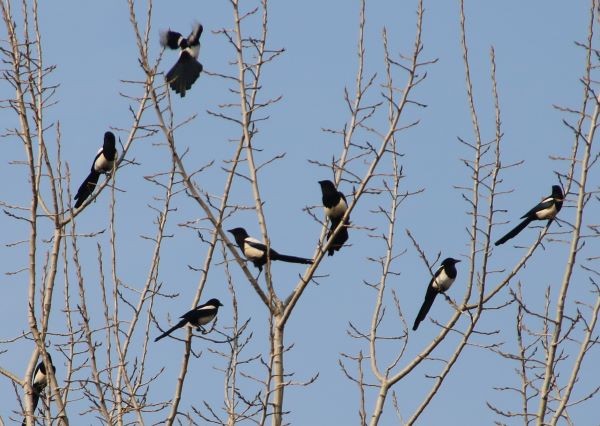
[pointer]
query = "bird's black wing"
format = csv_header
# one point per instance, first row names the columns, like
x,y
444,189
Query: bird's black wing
x,y
427,303
256,244
201,312
170,39
184,73
194,37
544,204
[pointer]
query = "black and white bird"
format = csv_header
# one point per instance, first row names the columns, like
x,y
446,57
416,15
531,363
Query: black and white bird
x,y
187,68
197,317
256,251
440,282
335,206
547,209
103,163
38,383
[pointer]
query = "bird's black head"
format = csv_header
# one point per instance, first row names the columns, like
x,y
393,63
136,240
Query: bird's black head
x,y
238,233
327,186
449,261
109,139
214,302
557,192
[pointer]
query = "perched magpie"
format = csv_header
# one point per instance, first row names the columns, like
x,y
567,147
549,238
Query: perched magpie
x,y
335,206
441,281
103,163
39,382
187,68
256,252
548,208
197,317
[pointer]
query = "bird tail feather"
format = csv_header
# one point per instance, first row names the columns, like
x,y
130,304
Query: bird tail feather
x,y
172,329
514,232
427,303
86,188
339,239
291,259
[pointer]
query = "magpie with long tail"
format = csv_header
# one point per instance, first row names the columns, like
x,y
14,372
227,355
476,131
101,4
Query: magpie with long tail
x,y
187,68
547,209
103,163
440,282
38,383
197,317
256,251
335,206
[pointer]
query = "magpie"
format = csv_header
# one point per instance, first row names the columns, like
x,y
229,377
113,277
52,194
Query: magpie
x,y
39,382
548,208
197,317
335,206
256,251
440,282
103,163
187,68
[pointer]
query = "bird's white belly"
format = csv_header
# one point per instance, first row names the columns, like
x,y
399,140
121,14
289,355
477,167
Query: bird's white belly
x,y
194,51
103,165
336,211
442,282
252,253
549,213
205,320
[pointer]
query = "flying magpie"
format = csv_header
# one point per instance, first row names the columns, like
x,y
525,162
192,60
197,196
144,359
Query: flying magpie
x,y
335,206
548,208
197,317
256,251
103,163
39,382
187,68
440,282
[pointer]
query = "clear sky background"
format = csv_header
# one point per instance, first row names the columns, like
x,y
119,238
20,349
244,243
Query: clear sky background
x,y
538,66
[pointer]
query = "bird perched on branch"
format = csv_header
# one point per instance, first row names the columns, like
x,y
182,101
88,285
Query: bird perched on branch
x,y
38,383
335,206
547,209
256,252
103,163
197,317
440,282
187,68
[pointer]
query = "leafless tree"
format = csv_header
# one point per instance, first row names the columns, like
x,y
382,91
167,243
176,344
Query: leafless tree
x,y
101,343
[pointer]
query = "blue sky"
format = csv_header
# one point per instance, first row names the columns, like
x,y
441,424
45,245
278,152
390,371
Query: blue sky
x,y
538,66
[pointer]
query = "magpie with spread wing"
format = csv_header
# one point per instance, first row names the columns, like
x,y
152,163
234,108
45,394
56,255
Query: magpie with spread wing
x,y
440,282
197,317
256,252
335,206
187,68
103,163
39,382
547,209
